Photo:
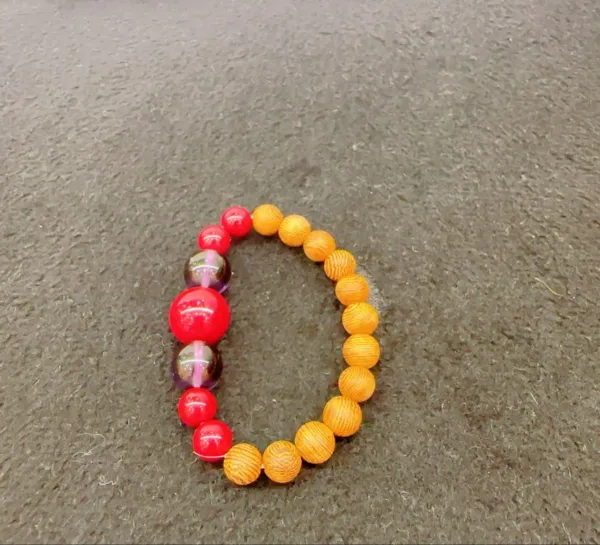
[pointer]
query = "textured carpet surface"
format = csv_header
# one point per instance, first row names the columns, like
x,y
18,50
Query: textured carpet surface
x,y
453,146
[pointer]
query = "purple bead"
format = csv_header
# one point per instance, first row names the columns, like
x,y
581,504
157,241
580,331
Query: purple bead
x,y
196,365
209,269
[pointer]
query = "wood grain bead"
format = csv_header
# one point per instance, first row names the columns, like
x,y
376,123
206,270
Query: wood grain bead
x,y
342,416
242,464
361,350
352,289
318,245
360,318
357,383
266,219
338,264
315,441
282,461
293,230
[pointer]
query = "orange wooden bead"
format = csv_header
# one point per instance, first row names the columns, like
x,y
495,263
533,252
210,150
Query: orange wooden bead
x,y
352,289
282,461
361,350
318,245
356,383
342,416
338,264
242,464
315,441
293,230
266,219
360,318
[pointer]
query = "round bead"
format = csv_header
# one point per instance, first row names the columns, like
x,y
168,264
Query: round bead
x,y
361,350
360,318
196,365
315,441
356,383
243,464
212,440
338,264
195,406
237,221
318,245
266,219
209,269
199,314
352,289
293,230
282,462
342,416
214,237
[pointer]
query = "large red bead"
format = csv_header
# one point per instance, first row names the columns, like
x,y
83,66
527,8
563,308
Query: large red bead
x,y
237,221
199,314
197,405
212,440
214,237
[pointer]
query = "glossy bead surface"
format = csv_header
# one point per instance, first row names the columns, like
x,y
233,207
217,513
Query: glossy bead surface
x,y
212,440
360,318
243,464
361,350
214,237
338,264
318,245
195,406
293,230
282,462
352,289
199,314
196,365
315,441
237,221
356,383
209,269
266,219
342,416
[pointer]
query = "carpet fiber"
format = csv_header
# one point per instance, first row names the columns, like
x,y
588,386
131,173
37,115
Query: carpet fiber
x,y
453,146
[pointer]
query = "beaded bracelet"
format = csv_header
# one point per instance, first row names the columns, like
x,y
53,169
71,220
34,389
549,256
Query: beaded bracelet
x,y
199,318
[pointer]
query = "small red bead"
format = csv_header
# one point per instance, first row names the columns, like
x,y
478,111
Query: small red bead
x,y
196,405
214,237
199,314
237,221
212,440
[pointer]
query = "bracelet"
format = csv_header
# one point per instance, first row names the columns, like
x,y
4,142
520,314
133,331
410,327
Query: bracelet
x,y
199,318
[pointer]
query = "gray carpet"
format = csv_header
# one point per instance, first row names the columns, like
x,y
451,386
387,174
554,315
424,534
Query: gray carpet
x,y
453,146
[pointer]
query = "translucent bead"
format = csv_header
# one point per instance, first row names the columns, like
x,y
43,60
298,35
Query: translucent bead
x,y
209,269
196,365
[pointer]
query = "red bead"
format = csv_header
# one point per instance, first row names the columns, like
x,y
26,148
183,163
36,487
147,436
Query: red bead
x,y
237,221
196,405
214,237
199,314
212,440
